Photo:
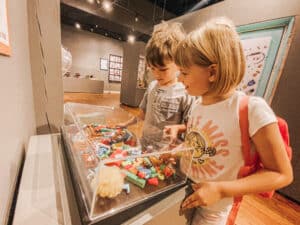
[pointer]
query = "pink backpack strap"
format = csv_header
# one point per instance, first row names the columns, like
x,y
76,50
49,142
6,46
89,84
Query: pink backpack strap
x,y
245,140
244,128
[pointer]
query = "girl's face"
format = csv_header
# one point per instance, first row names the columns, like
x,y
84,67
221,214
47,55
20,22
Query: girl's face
x,y
196,79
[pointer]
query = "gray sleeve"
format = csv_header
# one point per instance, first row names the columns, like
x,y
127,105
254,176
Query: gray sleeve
x,y
186,107
143,104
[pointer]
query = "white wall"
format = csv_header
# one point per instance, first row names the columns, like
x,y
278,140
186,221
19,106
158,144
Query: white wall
x,y
16,99
87,48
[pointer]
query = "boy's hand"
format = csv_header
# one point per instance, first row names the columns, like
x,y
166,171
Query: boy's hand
x,y
206,193
122,125
170,132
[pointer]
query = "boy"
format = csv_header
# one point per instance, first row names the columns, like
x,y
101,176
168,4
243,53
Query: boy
x,y
165,101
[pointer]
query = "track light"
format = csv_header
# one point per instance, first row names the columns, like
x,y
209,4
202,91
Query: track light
x,y
131,38
77,25
107,5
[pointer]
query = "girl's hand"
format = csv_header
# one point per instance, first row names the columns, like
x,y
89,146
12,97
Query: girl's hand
x,y
206,193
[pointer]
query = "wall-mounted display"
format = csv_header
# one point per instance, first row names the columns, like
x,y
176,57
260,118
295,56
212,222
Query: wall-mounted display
x,y
115,68
103,64
5,48
265,44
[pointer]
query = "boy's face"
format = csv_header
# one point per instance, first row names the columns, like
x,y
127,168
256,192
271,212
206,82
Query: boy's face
x,y
165,75
196,79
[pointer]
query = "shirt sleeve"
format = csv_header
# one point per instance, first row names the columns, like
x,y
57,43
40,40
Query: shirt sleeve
x,y
260,114
187,106
143,104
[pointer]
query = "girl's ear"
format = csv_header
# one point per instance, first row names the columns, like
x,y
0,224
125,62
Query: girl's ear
x,y
213,72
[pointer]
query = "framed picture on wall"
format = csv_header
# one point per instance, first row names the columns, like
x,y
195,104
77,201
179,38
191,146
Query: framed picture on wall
x,y
5,48
265,45
115,68
103,64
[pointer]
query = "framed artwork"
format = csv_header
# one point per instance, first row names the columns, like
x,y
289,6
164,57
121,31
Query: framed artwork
x,y
266,45
141,79
103,64
5,48
115,68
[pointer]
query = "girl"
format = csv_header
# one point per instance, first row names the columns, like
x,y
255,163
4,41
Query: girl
x,y
212,64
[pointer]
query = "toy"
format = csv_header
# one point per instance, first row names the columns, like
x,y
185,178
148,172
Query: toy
x,y
111,182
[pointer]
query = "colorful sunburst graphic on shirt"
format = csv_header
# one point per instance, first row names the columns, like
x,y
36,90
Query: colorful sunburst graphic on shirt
x,y
210,146
202,149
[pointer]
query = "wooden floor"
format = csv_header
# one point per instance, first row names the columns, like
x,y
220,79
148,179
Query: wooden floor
x,y
254,210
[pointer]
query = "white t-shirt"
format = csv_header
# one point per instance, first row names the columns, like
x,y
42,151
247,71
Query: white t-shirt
x,y
214,131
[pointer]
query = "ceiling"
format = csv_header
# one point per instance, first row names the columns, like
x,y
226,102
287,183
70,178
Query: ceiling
x,y
135,17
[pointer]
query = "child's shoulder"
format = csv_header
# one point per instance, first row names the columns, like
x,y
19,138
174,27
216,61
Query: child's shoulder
x,y
152,84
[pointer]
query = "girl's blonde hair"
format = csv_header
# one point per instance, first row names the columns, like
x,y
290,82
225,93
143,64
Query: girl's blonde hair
x,y
216,42
162,45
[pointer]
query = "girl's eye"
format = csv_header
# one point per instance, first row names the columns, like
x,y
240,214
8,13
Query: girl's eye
x,y
183,73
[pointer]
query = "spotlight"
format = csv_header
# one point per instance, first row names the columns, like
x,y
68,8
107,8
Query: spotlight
x,y
107,6
131,38
77,25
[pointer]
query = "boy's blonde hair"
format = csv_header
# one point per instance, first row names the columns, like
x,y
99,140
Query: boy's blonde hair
x,y
216,42
162,45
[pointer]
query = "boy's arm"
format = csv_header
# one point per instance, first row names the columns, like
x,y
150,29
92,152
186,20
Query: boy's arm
x,y
133,120
277,172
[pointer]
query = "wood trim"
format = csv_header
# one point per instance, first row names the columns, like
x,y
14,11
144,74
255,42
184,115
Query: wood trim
x,y
6,49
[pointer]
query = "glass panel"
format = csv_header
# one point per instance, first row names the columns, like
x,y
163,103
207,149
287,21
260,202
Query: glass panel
x,y
109,164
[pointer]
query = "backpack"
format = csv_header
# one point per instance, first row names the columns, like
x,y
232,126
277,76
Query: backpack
x,y
251,158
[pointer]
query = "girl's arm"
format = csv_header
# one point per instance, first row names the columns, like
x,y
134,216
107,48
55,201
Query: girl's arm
x,y
277,172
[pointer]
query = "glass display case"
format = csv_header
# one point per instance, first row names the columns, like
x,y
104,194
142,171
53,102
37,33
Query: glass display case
x,y
112,171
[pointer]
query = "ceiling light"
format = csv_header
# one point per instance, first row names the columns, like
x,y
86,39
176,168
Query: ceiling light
x,y
136,19
131,38
107,6
77,25
91,1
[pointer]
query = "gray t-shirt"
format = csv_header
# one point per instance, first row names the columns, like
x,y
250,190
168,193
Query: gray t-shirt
x,y
163,106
